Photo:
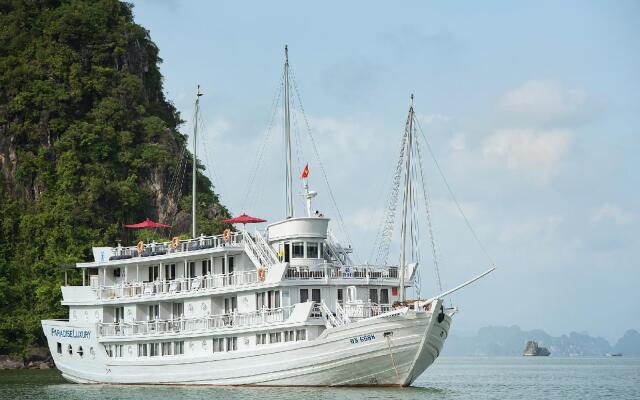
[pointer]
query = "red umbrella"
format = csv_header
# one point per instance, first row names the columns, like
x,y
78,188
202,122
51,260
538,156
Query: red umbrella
x,y
147,223
244,219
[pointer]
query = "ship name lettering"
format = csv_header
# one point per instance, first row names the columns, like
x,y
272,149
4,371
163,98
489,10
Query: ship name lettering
x,y
71,333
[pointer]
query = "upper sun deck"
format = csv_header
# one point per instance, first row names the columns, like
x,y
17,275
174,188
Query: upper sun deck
x,y
159,251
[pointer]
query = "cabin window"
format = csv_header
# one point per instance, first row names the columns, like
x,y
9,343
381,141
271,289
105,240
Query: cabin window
x,y
230,304
373,295
286,252
70,350
177,310
312,250
301,334
304,295
59,348
116,272
384,296
117,350
232,343
192,269
154,349
142,350
261,338
274,299
297,250
178,347
170,272
166,348
230,265
80,351
321,250
289,336
275,337
118,314
340,295
218,345
154,312
154,273
315,295
260,300
206,267
107,349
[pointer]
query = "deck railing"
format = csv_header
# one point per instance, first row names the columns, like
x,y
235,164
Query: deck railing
x,y
209,323
333,271
365,310
176,286
161,248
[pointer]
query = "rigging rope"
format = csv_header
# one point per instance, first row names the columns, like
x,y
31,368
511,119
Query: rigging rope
x,y
317,154
453,197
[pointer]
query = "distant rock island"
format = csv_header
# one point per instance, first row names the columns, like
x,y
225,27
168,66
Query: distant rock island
x,y
532,349
510,341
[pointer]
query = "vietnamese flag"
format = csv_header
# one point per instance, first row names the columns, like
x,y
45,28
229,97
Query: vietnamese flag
x,y
305,172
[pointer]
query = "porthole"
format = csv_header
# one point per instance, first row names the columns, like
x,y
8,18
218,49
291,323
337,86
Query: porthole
x,y
70,350
203,306
80,351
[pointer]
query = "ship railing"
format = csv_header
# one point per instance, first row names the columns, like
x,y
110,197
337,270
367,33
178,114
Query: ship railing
x,y
359,310
333,271
230,320
176,286
181,246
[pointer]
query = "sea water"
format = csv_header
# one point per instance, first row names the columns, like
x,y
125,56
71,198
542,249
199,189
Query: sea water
x,y
449,378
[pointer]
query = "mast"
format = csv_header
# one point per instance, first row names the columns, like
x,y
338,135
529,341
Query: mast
x,y
406,201
193,184
287,134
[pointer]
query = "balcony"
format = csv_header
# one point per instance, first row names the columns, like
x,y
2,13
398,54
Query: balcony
x,y
209,324
202,284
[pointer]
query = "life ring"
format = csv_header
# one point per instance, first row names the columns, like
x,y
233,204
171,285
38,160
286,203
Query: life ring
x,y
226,235
260,273
175,242
427,306
140,247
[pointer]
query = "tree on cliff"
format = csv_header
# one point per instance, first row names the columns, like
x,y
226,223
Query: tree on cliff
x,y
88,141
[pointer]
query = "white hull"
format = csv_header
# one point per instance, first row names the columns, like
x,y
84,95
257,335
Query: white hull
x,y
329,360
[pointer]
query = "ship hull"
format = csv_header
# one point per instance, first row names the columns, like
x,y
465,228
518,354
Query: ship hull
x,y
390,351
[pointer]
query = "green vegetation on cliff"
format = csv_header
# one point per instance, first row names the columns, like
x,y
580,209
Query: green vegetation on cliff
x,y
87,142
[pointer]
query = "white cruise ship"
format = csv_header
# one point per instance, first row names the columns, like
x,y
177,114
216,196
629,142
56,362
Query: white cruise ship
x,y
283,306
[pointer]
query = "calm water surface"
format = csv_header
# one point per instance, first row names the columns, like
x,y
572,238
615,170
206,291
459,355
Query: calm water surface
x,y
449,378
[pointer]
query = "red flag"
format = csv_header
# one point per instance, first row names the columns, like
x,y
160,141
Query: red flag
x,y
305,172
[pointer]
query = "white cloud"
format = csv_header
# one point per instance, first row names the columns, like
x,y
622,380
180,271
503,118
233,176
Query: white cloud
x,y
532,152
613,212
542,102
458,142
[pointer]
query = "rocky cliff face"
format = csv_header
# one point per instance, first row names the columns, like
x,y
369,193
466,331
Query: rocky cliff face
x,y
88,142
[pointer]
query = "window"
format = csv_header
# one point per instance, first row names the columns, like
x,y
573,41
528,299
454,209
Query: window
x,y
289,336
373,295
230,304
315,295
178,347
230,265
170,272
154,272
274,298
192,269
312,250
154,349
59,348
166,348
117,350
218,345
384,296
275,337
70,350
108,350
142,350
177,310
297,250
304,295
286,252
301,334
154,312
118,315
206,267
116,272
340,296
261,300
321,255
232,343
80,351
261,338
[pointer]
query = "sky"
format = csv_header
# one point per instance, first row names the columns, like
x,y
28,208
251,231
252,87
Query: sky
x,y
532,111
